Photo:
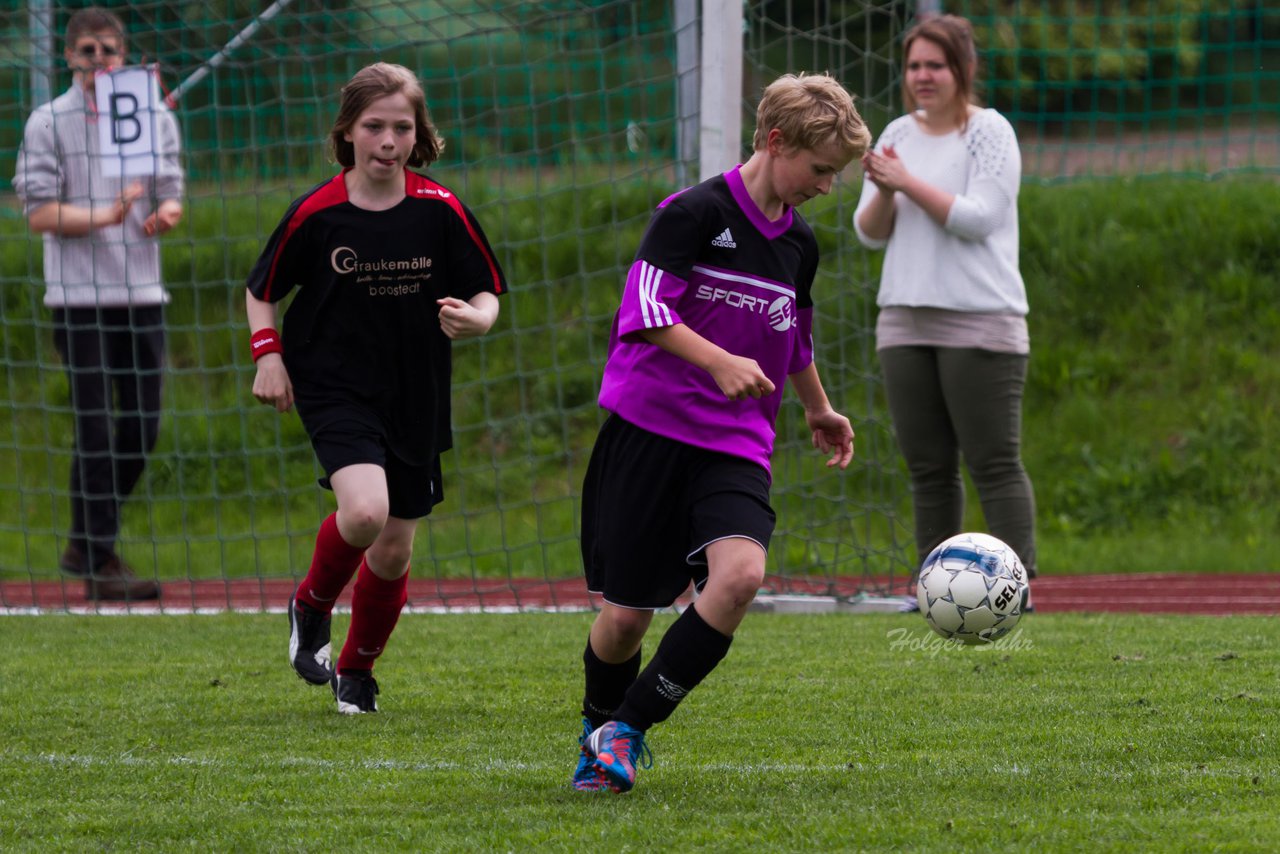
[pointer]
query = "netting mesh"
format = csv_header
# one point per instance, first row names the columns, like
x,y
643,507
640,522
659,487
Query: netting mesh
x,y
1187,86
563,129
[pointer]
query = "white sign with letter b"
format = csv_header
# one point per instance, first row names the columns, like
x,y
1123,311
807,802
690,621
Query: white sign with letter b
x,y
127,101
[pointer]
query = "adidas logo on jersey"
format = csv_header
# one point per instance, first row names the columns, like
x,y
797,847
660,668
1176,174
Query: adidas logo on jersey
x,y
724,240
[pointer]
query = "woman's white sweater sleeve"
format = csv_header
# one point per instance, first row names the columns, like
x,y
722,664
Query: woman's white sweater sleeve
x,y
995,170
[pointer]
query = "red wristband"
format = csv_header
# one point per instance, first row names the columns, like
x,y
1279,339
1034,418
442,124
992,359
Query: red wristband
x,y
265,341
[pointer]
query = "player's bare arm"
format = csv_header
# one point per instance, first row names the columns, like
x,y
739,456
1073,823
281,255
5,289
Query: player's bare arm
x,y
737,376
832,432
271,383
468,319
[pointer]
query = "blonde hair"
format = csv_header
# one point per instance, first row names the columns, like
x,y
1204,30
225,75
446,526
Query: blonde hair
x,y
954,36
810,110
368,85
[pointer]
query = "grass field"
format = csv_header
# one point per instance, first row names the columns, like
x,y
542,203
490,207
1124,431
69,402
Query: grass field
x,y
834,732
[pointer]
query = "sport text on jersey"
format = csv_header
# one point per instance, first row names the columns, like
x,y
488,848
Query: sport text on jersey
x,y
385,277
778,310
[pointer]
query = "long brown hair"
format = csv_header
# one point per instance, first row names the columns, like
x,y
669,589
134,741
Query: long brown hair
x,y
954,35
368,85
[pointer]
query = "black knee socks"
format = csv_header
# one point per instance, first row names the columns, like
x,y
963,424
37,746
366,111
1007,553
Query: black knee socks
x,y
607,684
689,651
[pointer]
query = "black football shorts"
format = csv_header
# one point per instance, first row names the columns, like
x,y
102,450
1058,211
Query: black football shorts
x,y
412,490
651,506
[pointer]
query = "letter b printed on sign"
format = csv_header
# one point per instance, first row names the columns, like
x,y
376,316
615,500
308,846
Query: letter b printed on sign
x,y
125,127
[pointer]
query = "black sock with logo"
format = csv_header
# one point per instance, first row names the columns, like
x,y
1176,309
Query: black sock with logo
x,y
607,684
689,651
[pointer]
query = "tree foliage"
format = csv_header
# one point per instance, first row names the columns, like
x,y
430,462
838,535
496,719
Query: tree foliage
x,y
1066,55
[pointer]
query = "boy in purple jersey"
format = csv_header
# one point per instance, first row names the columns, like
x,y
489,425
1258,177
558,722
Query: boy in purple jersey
x,y
715,316
390,268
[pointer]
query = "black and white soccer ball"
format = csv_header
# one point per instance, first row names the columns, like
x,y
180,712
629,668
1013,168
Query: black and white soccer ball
x,y
972,588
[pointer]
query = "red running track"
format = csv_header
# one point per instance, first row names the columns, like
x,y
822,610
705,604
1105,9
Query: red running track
x,y
1167,593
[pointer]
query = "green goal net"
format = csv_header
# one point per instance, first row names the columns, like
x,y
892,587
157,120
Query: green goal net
x,y
565,123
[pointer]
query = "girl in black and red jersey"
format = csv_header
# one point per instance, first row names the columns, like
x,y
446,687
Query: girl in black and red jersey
x,y
390,267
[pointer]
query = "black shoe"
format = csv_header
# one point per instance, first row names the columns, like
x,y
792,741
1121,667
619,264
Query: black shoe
x,y
355,693
309,649
115,580
74,562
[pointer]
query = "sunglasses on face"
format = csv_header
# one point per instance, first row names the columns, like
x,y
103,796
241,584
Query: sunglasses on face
x,y
91,50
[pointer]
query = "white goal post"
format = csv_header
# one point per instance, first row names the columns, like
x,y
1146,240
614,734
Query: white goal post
x,y
720,110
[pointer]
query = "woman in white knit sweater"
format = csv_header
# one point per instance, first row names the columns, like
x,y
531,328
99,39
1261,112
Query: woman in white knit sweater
x,y
941,198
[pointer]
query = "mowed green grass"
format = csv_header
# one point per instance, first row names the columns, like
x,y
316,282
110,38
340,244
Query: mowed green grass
x,y
830,732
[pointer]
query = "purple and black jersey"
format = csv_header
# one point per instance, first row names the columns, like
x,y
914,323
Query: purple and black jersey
x,y
362,337
712,261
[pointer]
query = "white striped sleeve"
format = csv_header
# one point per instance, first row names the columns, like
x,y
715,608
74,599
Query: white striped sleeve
x,y
648,298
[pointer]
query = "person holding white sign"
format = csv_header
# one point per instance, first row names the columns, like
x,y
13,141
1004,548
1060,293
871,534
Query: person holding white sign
x,y
100,219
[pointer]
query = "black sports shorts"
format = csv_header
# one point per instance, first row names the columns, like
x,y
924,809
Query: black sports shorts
x,y
652,505
412,490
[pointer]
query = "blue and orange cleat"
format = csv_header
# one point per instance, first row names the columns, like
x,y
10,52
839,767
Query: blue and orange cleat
x,y
616,747
589,777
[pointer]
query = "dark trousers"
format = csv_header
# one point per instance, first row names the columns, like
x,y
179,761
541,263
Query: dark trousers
x,y
114,359
949,402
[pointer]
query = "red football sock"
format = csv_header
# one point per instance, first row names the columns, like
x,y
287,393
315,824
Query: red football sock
x,y
332,565
375,608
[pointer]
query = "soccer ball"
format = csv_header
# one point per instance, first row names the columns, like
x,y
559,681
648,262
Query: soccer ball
x,y
973,588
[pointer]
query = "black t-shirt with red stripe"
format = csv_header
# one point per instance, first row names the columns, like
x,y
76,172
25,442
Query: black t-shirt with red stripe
x,y
362,337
